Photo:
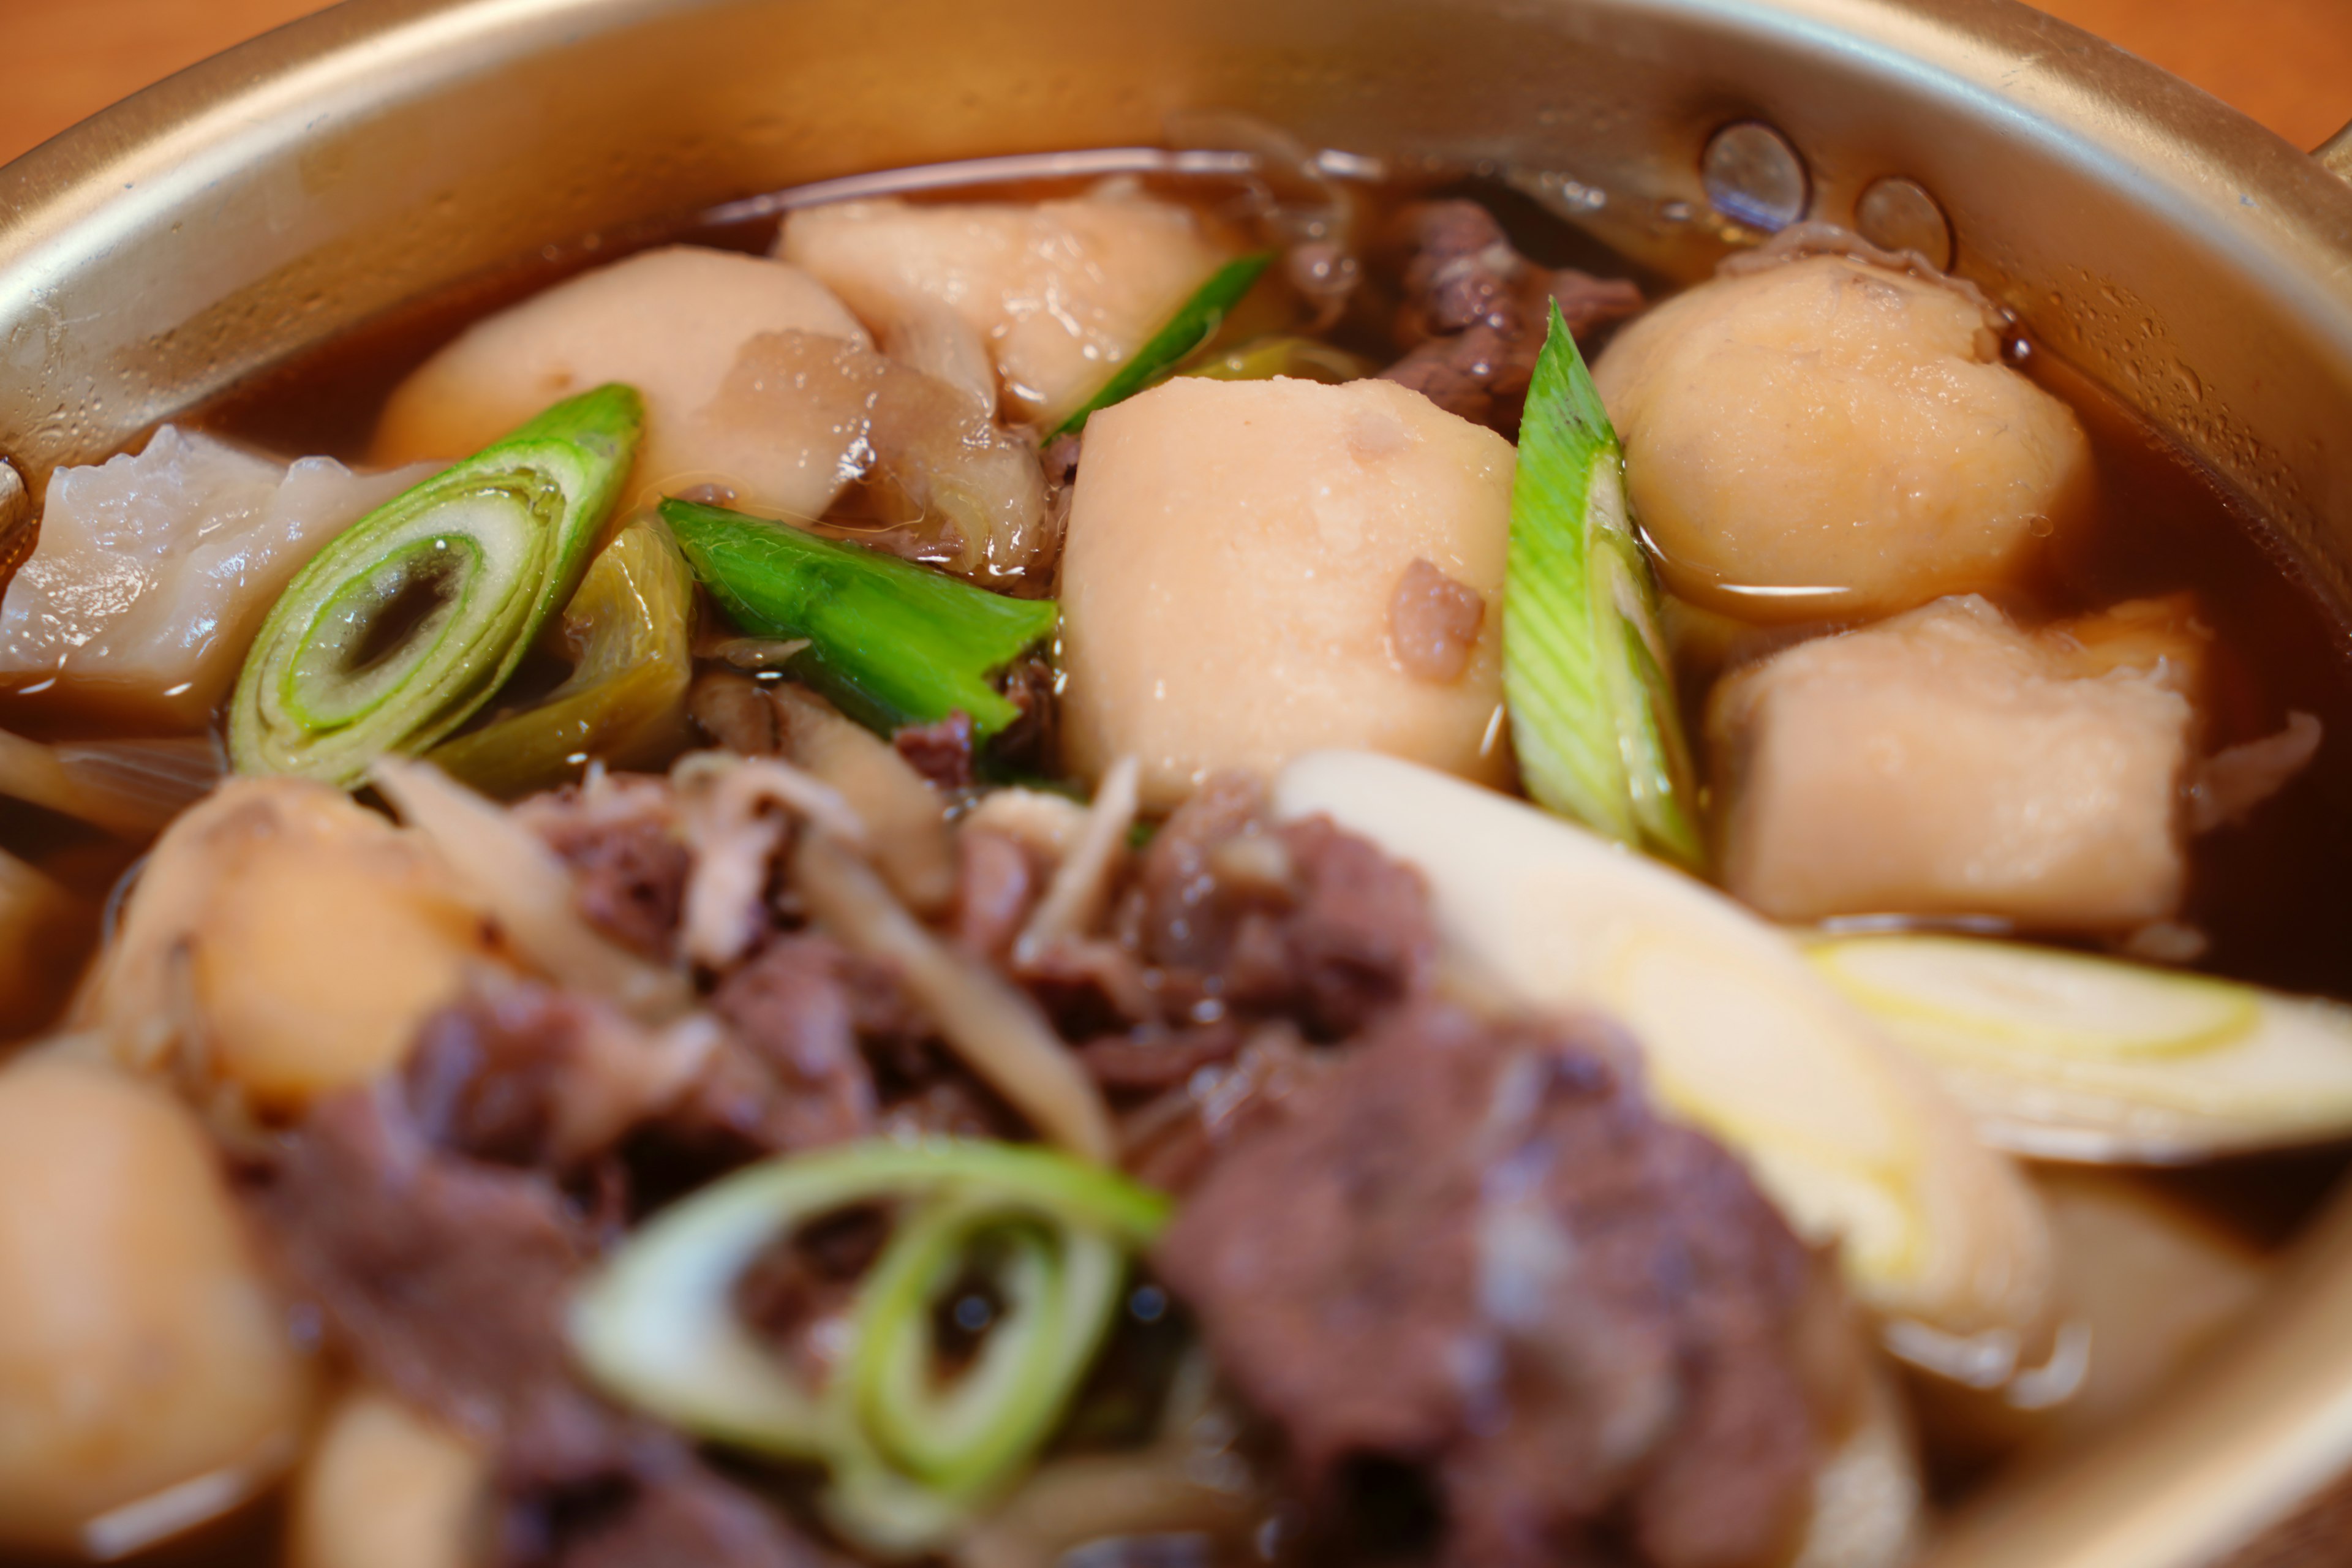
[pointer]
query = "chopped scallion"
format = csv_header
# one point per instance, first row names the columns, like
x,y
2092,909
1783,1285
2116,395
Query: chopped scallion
x,y
1585,669
1193,324
890,642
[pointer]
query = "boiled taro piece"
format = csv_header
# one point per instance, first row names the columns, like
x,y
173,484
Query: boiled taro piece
x,y
1946,762
1823,438
1312,583
674,323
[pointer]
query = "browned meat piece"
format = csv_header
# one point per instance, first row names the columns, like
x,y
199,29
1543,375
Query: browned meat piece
x,y
444,1280
628,863
1299,919
941,753
997,884
1433,623
1475,311
1158,1058
733,711
1584,1320
1170,1141
796,1009
518,1074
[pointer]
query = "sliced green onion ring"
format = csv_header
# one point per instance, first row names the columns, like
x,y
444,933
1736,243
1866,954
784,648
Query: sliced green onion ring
x,y
910,1455
412,618
1593,716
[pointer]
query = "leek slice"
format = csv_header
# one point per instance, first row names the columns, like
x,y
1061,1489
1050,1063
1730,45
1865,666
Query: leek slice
x,y
2067,1056
625,702
456,576
1593,716
1196,321
1301,359
890,642
909,1458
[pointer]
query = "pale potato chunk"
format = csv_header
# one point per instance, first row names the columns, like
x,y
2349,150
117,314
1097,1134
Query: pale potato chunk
x,y
385,1488
1231,571
672,323
1062,292
139,1347
154,571
1826,438
309,935
1946,763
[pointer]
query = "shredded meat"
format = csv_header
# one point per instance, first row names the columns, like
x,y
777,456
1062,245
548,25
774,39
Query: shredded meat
x,y
444,1280
1172,1141
1583,1321
997,884
1433,623
1475,311
941,753
1298,919
628,863
796,1008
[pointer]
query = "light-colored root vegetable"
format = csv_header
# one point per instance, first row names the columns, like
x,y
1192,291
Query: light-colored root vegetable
x,y
1827,439
1869,1499
281,941
1082,882
508,874
147,1382
1739,1034
1275,571
1062,292
384,1488
2069,1057
996,1028
905,819
131,789
671,322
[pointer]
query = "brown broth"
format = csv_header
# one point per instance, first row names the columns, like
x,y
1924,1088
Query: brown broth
x,y
2273,895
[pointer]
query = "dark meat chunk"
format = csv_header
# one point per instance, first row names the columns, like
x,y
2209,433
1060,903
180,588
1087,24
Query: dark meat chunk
x,y
1433,623
941,753
442,1278
1158,1058
629,866
1475,311
1587,1325
1171,1141
796,1009
997,884
1297,920
446,1280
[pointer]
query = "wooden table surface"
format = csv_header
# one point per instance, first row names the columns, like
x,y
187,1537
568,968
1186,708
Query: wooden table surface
x,y
2287,62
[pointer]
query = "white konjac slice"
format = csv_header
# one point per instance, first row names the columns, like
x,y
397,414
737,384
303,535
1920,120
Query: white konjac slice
x,y
1946,762
154,571
142,1357
1062,292
1230,572
672,323
1825,438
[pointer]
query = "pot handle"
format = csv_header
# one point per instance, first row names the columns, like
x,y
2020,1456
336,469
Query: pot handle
x,y
2334,154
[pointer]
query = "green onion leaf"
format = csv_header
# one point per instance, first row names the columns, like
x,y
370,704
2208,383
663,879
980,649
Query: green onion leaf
x,y
1193,324
413,617
1585,669
624,701
912,1452
890,642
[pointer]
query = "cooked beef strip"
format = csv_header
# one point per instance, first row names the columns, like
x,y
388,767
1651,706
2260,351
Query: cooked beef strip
x,y
444,1279
1475,311
628,863
1581,1320
795,1007
1297,920
941,753
997,884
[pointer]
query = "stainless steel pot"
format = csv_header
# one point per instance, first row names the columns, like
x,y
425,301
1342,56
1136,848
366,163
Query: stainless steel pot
x,y
2192,262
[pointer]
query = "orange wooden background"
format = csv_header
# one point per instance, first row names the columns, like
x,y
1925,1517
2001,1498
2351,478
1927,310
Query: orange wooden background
x,y
2287,62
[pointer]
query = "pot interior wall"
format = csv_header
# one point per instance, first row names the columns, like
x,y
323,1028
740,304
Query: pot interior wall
x,y
264,201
